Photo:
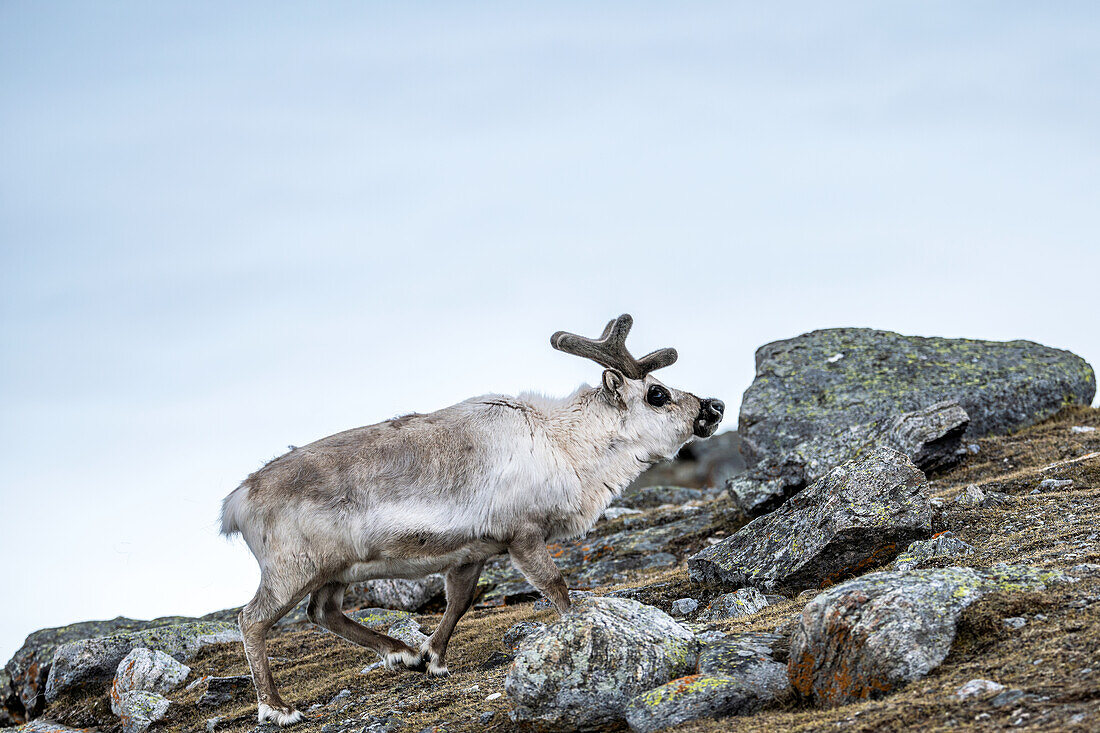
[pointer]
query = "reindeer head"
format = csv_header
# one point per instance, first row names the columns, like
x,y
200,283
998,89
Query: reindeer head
x,y
652,413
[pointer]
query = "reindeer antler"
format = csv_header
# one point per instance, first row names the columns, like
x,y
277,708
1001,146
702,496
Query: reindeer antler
x,y
610,351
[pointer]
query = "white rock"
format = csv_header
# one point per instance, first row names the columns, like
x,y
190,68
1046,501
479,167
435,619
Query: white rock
x,y
1082,429
978,688
146,669
614,512
1015,622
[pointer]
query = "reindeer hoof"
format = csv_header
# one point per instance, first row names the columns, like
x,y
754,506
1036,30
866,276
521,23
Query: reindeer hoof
x,y
435,667
280,716
404,659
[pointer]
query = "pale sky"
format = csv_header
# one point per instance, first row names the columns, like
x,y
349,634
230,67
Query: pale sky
x,y
226,228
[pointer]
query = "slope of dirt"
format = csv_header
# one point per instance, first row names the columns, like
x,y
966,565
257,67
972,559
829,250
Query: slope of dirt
x,y
1054,660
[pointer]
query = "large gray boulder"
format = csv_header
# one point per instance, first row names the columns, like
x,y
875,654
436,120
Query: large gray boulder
x,y
870,635
30,666
580,673
93,660
395,593
859,515
931,437
824,381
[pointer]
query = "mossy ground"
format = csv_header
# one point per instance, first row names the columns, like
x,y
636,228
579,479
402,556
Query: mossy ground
x,y
1046,658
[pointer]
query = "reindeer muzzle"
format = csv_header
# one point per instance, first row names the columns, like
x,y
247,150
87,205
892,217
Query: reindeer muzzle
x,y
710,415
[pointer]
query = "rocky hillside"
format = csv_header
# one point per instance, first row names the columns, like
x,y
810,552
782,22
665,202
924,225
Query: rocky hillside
x,y
915,544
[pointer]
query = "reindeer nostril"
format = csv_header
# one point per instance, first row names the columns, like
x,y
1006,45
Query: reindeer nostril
x,y
717,406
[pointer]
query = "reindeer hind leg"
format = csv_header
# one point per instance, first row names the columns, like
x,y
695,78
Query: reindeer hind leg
x,y
270,604
326,610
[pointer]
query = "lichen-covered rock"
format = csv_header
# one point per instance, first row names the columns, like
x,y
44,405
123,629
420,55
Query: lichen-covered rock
x,y
742,602
648,497
826,380
945,544
730,653
870,635
580,672
91,660
857,516
931,437
735,678
146,669
30,666
395,593
518,632
9,699
139,709
401,625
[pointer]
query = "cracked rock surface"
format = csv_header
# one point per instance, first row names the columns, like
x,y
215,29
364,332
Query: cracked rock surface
x,y
859,515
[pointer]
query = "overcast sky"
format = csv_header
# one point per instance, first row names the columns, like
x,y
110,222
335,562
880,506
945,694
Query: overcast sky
x,y
226,228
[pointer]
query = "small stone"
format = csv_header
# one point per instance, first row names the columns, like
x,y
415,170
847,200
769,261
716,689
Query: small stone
x,y
1007,698
212,724
1082,429
978,688
945,544
223,690
971,495
1015,622
371,667
1053,484
494,696
743,602
973,448
486,716
684,606
340,697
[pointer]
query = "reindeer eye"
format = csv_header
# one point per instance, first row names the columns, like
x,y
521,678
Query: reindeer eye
x,y
657,396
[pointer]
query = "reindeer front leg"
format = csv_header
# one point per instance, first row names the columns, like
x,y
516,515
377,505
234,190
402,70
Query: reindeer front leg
x,y
528,552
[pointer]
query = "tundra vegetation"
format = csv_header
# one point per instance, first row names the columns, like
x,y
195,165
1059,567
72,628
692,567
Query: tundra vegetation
x,y
909,573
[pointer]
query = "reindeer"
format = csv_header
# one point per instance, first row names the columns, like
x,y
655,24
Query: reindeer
x,y
441,492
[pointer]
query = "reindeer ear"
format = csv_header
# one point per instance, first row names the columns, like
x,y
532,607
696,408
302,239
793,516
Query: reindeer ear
x,y
614,384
